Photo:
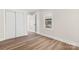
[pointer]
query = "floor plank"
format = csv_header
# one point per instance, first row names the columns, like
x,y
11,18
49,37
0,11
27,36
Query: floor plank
x,y
35,42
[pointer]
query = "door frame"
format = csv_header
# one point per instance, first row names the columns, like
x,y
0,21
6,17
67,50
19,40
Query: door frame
x,y
35,23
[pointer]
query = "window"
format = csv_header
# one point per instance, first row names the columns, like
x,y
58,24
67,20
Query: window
x,y
48,23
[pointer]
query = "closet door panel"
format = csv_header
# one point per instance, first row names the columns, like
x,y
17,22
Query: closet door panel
x,y
1,24
9,25
20,24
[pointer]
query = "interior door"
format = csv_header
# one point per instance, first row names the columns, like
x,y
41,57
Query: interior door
x,y
20,24
31,23
9,25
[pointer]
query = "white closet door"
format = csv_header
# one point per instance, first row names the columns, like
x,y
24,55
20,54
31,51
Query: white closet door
x,y
20,24
9,25
1,24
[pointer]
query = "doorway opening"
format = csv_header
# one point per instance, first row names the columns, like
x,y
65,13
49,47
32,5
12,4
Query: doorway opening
x,y
32,23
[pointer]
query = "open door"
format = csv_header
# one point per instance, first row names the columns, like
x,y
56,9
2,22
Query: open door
x,y
31,23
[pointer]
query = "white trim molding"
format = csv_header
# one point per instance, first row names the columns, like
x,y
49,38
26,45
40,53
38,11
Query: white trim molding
x,y
75,43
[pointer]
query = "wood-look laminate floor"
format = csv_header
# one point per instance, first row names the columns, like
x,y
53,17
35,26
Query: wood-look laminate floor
x,y
35,42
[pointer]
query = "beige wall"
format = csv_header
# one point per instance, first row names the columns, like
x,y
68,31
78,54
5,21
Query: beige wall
x,y
66,26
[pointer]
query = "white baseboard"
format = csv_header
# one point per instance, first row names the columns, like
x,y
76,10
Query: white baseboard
x,y
61,39
1,39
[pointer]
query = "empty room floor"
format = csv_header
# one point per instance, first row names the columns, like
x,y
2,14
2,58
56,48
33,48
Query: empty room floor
x,y
35,42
